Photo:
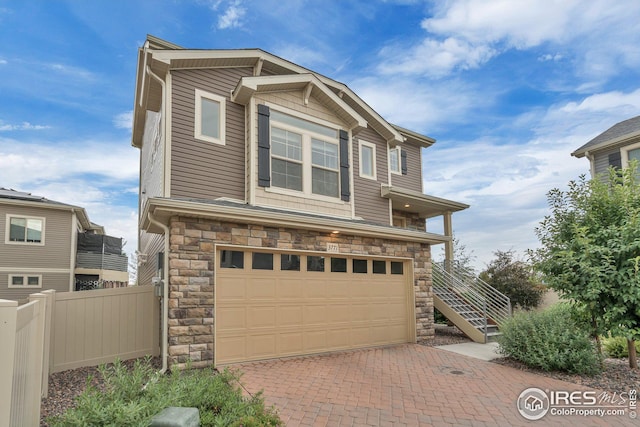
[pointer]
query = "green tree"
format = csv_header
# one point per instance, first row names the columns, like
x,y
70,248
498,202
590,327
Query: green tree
x,y
514,278
590,251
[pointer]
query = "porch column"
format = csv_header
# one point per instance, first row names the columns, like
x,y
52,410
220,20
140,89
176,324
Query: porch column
x,y
448,246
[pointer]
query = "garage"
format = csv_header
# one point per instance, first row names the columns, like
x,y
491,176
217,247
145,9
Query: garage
x,y
271,304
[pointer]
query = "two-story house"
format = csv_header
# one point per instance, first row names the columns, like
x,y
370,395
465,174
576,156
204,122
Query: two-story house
x,y
284,215
614,147
43,245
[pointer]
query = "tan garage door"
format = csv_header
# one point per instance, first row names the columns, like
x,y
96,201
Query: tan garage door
x,y
276,304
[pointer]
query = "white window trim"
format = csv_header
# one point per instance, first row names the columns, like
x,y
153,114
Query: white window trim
x,y
624,153
199,94
362,143
7,233
25,279
399,165
307,164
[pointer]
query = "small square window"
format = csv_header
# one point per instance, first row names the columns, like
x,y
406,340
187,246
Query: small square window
x,y
338,265
315,263
289,262
397,267
262,261
379,267
231,259
17,280
359,265
33,281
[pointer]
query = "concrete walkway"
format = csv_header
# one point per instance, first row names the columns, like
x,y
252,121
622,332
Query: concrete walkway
x,y
476,350
405,385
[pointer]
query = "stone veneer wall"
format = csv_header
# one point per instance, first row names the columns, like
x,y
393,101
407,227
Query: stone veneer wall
x,y
414,221
192,287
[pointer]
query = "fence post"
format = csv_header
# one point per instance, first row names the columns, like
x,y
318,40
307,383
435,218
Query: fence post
x,y
8,322
50,302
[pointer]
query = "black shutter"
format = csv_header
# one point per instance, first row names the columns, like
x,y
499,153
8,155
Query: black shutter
x,y
264,145
403,157
344,166
615,160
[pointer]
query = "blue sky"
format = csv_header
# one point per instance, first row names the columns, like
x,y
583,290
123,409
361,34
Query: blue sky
x,y
507,88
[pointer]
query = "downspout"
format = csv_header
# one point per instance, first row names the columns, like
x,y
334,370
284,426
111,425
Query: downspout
x,y
165,292
165,273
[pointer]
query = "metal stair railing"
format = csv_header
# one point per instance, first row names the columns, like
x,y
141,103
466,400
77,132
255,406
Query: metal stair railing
x,y
487,300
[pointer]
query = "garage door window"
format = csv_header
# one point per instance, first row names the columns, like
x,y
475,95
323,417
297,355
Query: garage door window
x,y
379,267
289,262
315,263
359,265
262,261
232,259
396,267
338,265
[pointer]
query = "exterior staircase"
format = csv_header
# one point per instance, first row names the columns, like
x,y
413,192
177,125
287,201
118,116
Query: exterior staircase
x,y
475,307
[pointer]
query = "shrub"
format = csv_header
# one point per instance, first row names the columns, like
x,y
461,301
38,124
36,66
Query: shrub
x,y
551,340
133,397
616,347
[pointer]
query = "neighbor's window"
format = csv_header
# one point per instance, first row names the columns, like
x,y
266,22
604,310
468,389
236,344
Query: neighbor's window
x,y
209,117
27,230
25,281
304,155
394,160
367,152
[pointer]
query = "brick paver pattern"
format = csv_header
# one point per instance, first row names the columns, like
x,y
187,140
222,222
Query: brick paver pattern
x,y
405,385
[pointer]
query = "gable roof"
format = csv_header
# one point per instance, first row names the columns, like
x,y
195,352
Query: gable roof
x,y
617,133
13,197
157,57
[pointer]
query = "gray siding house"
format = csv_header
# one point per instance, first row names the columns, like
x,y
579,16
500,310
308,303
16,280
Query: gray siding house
x,y
39,248
280,214
614,147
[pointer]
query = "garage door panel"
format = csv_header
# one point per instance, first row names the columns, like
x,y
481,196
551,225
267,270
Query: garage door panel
x,y
231,318
289,316
263,314
290,289
260,288
262,317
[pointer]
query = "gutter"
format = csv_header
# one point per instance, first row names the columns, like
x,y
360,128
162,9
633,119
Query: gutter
x,y
165,292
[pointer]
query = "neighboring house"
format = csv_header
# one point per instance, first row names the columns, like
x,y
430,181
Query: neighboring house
x,y
286,216
614,147
51,245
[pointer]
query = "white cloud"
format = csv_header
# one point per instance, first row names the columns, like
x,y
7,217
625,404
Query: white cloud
x,y
506,183
3,62
124,120
4,127
464,34
232,16
70,71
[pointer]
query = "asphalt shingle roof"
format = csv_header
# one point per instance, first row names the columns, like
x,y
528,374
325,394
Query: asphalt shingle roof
x,y
625,127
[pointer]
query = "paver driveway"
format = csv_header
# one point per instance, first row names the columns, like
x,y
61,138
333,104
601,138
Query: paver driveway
x,y
402,385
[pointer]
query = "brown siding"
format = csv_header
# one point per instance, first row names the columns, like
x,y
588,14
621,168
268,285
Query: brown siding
x,y
201,169
57,234
413,179
368,202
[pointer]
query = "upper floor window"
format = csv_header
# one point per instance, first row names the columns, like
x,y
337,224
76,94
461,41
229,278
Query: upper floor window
x,y
304,156
209,117
394,160
367,154
25,230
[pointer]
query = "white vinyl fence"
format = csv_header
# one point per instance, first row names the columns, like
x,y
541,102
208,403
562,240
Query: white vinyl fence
x,y
22,336
59,331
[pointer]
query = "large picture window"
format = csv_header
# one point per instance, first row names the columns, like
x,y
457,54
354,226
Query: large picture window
x,y
209,117
26,230
304,156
